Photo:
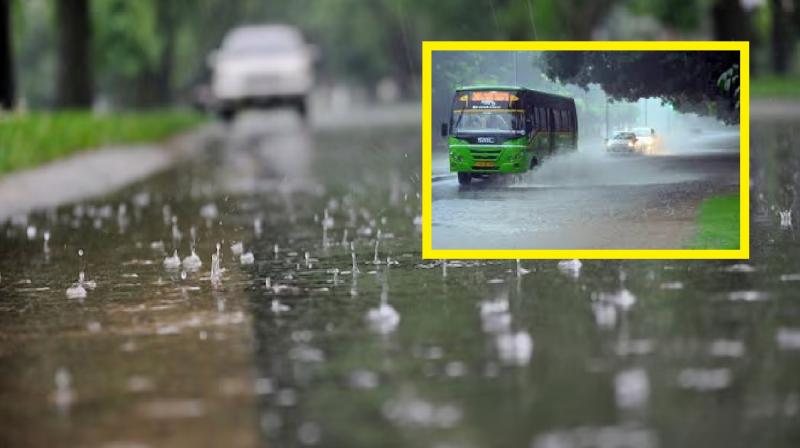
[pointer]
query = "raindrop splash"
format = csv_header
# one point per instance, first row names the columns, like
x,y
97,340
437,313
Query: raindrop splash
x,y
173,262
192,262
520,270
571,267
384,319
216,271
786,218
353,255
247,258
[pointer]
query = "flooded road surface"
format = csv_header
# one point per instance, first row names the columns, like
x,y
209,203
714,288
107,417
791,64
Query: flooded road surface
x,y
312,343
589,200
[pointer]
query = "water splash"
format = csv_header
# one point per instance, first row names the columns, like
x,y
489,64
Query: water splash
x,y
384,319
353,256
327,223
64,395
631,388
176,234
335,272
192,262
237,248
376,259
786,218
216,270
173,262
520,270
46,237
278,307
515,348
257,229
209,211
571,267
78,290
247,258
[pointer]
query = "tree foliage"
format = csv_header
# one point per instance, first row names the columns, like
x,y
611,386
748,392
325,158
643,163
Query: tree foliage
x,y
686,80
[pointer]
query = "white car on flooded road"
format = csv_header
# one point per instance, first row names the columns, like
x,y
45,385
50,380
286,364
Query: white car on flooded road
x,y
621,142
262,66
647,142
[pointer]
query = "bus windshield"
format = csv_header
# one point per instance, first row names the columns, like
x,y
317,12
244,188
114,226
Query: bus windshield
x,y
471,120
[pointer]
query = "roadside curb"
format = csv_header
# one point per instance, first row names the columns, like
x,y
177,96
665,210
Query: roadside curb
x,y
93,172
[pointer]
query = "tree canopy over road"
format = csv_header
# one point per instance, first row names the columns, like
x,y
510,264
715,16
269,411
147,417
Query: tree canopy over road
x,y
147,53
688,80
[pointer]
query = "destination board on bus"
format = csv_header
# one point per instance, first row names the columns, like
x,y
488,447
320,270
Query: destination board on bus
x,y
488,99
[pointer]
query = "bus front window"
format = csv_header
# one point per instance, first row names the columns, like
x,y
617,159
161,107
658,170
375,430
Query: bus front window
x,y
487,121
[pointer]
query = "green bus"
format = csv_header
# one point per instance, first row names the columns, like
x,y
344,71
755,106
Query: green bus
x,y
506,130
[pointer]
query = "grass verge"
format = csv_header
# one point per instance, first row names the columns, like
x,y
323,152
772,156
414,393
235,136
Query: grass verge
x,y
30,139
718,223
775,87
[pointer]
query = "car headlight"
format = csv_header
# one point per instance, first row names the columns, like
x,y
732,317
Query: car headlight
x,y
630,143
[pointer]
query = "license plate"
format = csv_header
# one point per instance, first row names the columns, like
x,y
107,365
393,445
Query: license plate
x,y
484,164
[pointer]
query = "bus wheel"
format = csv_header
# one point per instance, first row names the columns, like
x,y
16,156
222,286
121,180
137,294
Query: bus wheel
x,y
464,178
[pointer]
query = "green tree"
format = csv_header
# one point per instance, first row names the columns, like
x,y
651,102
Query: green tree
x,y
686,80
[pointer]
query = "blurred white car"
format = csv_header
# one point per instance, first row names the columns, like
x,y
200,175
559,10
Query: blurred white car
x,y
262,66
621,142
646,140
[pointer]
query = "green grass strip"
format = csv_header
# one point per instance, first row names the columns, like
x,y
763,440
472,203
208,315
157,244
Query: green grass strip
x,y
775,87
718,223
30,139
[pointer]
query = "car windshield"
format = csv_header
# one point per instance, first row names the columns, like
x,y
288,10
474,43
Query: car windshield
x,y
624,136
262,41
487,120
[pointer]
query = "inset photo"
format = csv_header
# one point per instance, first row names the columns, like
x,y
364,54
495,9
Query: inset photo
x,y
585,150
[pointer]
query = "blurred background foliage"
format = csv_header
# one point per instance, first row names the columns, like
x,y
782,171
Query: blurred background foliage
x,y
150,53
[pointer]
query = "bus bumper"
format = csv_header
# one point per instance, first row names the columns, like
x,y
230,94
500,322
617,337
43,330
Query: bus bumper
x,y
489,160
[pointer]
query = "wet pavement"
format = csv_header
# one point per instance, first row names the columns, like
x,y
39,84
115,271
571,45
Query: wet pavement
x,y
589,199
297,349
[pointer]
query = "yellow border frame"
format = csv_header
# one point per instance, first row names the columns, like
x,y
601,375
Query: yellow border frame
x,y
744,152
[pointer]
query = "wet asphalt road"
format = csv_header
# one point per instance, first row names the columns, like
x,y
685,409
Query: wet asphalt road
x,y
590,200
297,349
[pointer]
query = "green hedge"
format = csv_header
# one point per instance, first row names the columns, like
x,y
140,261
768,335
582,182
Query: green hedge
x,y
30,139
775,87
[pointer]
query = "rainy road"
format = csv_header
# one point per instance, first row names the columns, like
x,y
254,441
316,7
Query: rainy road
x,y
296,349
589,200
